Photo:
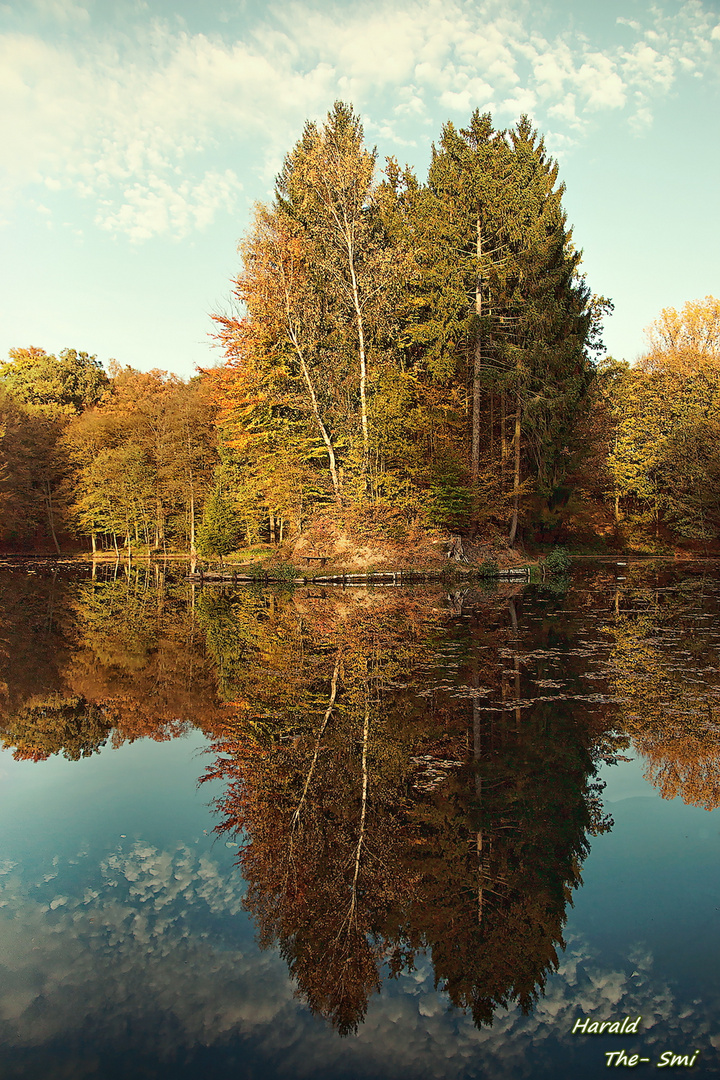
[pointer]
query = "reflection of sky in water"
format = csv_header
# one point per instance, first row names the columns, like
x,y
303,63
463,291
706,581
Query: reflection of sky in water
x,y
110,941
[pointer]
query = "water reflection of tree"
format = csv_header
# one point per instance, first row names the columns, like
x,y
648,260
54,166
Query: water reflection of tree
x,y
381,812
139,652
33,644
664,670
55,724
120,654
400,785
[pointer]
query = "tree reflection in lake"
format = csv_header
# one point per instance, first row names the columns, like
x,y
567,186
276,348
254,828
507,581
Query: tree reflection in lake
x,y
118,655
408,773
385,807
664,669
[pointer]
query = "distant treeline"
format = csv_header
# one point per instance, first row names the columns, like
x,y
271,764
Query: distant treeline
x,y
124,458
402,356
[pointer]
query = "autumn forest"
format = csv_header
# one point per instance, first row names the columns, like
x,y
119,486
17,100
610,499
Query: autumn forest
x,y
402,358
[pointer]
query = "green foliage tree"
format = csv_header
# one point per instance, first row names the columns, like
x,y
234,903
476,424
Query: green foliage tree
x,y
501,304
314,370
219,533
663,457
68,383
46,393
401,355
143,460
68,725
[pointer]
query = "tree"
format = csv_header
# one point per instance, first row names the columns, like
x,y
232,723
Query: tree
x,y
504,304
20,496
372,827
319,288
277,347
666,415
685,341
326,186
219,532
551,318
143,460
464,219
424,342
56,724
115,495
48,391
66,384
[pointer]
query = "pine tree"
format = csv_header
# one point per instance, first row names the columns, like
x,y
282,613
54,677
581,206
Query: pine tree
x,y
505,307
550,315
219,532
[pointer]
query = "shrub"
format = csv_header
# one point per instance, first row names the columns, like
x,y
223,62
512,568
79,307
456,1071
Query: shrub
x,y
557,562
488,568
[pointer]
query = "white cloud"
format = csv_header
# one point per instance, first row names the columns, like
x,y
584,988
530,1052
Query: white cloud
x,y
600,83
552,70
62,11
644,66
153,130
157,207
411,104
522,101
565,110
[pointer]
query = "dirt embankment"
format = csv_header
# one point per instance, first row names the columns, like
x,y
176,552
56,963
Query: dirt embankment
x,y
332,547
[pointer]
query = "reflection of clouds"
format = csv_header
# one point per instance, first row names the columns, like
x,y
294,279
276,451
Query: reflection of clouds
x,y
521,1046
151,945
139,942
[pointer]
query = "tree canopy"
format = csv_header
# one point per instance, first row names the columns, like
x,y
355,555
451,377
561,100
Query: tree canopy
x,y
400,356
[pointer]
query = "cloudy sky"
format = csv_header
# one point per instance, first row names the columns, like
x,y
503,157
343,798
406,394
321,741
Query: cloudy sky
x,y
137,135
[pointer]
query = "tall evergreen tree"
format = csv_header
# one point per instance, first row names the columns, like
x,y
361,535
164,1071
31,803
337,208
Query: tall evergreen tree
x,y
550,313
504,303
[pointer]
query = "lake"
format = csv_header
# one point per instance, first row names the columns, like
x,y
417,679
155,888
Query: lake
x,y
368,832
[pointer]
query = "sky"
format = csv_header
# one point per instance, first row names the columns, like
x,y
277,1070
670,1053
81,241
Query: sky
x,y
136,137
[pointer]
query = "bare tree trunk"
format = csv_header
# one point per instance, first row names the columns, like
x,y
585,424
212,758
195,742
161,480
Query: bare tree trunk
x,y
159,523
516,475
503,431
191,509
363,814
479,838
477,361
93,542
516,662
51,518
492,423
361,349
314,404
192,517
657,512
321,732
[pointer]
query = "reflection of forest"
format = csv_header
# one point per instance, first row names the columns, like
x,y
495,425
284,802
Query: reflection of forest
x,y
406,772
118,655
393,793
665,672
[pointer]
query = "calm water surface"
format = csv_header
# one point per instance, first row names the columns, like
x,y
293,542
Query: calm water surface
x,y
359,833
